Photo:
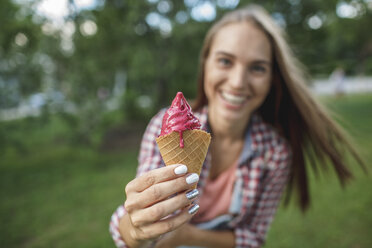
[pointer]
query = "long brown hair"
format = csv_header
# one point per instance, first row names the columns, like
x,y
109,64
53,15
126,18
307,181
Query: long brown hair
x,y
289,107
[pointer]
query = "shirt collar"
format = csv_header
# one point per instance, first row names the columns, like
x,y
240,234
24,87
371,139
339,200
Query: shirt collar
x,y
253,141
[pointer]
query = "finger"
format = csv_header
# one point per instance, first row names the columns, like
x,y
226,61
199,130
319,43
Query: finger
x,y
156,176
163,190
163,208
169,224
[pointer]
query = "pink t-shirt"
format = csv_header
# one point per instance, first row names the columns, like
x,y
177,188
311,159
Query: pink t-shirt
x,y
216,197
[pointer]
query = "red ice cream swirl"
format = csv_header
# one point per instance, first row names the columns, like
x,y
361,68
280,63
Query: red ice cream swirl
x,y
179,118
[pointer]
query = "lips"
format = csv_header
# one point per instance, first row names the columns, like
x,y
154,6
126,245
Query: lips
x,y
233,98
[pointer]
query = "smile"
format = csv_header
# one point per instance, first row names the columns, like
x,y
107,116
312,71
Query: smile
x,y
233,99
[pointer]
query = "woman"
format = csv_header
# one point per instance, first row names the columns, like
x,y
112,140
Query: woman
x,y
264,122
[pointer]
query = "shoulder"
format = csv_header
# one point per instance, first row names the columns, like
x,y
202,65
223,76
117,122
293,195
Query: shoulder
x,y
155,123
153,128
202,115
149,157
273,148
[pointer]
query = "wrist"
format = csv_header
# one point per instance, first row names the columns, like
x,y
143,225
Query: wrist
x,y
128,234
189,236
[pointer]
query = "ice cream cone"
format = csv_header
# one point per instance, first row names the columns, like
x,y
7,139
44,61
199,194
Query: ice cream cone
x,y
193,153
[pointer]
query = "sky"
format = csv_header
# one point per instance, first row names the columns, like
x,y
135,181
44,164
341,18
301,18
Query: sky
x,y
57,10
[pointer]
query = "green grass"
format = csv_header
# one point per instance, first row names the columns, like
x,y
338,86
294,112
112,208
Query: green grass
x,y
337,218
57,194
61,197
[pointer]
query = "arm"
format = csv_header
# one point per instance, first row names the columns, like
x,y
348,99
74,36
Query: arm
x,y
190,235
124,226
252,232
114,227
157,203
149,158
213,239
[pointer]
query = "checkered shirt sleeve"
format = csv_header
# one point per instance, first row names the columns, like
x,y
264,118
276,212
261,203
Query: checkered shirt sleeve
x,y
251,231
149,158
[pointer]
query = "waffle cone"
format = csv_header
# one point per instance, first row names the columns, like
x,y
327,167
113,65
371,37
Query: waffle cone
x,y
193,153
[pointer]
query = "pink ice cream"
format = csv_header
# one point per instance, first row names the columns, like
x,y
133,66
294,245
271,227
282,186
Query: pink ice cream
x,y
179,118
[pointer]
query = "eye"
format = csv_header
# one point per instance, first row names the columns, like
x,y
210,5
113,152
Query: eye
x,y
225,62
258,69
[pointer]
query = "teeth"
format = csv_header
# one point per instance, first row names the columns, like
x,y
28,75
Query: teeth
x,y
233,98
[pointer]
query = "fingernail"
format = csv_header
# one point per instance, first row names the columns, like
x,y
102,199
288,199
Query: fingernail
x,y
193,178
192,194
193,209
182,169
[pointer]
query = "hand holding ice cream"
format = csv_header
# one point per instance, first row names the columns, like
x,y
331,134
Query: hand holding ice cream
x,y
154,196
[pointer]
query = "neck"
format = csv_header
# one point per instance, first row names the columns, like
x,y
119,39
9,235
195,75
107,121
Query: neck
x,y
228,131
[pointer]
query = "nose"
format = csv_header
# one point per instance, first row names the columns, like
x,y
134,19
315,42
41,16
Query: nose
x,y
238,78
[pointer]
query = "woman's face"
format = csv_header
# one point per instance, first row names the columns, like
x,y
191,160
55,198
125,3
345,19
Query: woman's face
x,y
237,73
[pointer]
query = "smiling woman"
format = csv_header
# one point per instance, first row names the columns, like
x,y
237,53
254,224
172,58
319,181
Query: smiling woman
x,y
238,75
252,98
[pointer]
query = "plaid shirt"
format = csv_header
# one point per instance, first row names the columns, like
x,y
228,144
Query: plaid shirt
x,y
261,177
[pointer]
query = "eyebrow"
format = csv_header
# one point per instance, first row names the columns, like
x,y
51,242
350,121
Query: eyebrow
x,y
257,61
225,53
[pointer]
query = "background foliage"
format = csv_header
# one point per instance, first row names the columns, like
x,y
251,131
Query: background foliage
x,y
153,47
76,94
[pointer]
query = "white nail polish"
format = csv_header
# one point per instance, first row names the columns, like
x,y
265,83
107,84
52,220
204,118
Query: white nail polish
x,y
182,169
193,178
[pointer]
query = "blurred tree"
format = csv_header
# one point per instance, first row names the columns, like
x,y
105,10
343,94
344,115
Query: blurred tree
x,y
149,49
20,72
